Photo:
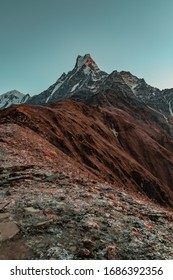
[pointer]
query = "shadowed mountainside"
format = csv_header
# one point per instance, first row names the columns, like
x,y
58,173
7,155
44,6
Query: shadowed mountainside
x,y
109,142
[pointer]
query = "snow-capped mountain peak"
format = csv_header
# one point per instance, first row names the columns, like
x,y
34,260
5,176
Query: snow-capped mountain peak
x,y
131,80
79,83
12,97
86,61
86,80
14,92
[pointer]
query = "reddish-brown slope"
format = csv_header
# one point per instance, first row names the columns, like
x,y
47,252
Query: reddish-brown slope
x,y
108,142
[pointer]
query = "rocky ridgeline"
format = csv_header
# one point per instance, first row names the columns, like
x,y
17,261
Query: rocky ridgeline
x,y
86,80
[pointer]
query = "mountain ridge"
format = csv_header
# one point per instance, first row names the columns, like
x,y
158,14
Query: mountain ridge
x,y
108,143
86,79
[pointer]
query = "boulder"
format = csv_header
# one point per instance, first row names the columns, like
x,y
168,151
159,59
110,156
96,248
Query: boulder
x,y
8,230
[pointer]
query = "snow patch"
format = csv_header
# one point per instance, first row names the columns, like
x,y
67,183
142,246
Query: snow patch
x,y
114,132
92,87
80,62
74,87
87,70
159,113
131,81
170,108
112,128
55,89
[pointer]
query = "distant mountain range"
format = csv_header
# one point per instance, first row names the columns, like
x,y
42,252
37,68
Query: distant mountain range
x,y
12,97
86,80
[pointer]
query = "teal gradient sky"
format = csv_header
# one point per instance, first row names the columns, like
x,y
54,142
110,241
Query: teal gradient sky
x,y
40,39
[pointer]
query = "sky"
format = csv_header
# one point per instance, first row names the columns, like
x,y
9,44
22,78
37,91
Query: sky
x,y
41,39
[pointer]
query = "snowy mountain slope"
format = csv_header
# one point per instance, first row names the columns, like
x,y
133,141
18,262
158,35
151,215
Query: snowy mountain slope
x,y
161,100
12,97
87,80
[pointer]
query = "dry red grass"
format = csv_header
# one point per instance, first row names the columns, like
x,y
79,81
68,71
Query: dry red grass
x,y
106,144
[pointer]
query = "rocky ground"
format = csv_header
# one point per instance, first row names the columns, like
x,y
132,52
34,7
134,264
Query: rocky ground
x,y
53,215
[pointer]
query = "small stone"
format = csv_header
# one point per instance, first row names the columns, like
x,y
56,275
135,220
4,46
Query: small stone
x,y
8,193
8,230
3,205
89,225
44,224
53,177
61,176
4,216
88,243
110,252
32,210
84,253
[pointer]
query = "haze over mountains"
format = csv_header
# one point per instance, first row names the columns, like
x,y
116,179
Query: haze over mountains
x,y
93,143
